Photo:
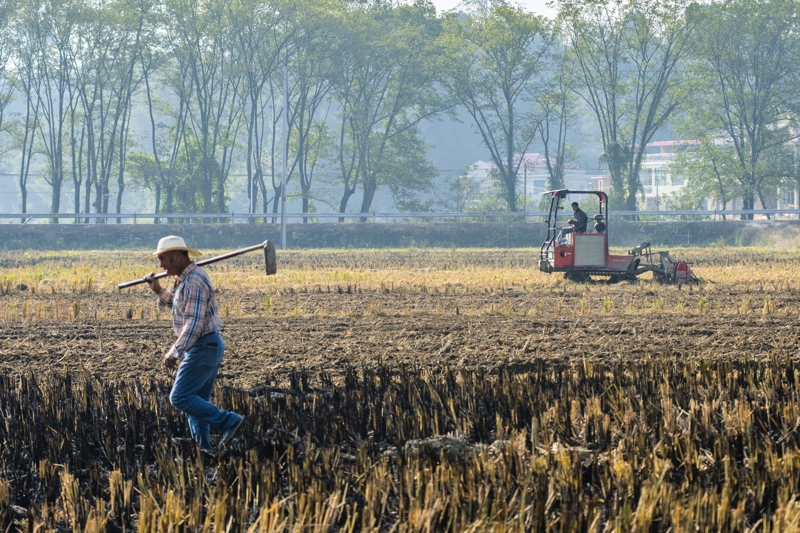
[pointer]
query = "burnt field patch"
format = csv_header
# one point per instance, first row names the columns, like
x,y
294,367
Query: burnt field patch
x,y
655,444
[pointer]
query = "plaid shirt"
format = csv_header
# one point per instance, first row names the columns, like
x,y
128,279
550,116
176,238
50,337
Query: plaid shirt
x,y
194,308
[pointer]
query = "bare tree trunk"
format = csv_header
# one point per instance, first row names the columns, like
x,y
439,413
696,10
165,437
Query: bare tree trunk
x,y
370,186
27,152
158,203
87,198
123,141
55,198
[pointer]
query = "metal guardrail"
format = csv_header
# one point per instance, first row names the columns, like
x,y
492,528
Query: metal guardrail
x,y
234,217
239,216
260,216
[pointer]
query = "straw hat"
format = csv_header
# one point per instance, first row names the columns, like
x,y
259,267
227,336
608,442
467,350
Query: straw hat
x,y
170,243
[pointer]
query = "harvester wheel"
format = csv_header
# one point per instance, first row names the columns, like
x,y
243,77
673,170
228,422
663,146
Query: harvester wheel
x,y
578,276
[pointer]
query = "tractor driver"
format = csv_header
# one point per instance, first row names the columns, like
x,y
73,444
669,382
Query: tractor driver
x,y
579,222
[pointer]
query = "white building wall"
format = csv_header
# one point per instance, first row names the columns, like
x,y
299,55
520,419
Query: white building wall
x,y
532,176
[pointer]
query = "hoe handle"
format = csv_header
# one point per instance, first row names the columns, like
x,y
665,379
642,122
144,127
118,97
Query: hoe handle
x,y
208,261
141,280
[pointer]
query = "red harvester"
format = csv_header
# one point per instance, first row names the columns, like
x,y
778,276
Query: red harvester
x,y
579,255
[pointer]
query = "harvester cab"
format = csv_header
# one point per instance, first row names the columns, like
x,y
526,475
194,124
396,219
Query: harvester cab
x,y
580,249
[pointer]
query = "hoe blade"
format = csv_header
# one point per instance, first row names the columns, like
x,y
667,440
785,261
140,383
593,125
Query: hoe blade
x,y
270,260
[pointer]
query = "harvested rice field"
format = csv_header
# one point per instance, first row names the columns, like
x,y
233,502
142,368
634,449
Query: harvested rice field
x,y
407,390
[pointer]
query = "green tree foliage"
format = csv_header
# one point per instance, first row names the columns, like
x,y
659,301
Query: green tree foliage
x,y
744,102
264,35
385,86
313,78
23,129
709,169
204,53
457,192
491,67
406,172
629,57
103,57
46,29
557,109
7,76
180,97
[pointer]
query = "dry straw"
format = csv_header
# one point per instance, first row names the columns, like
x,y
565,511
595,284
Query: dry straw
x,y
654,445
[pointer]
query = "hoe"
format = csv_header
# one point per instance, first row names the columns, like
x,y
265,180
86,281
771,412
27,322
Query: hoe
x,y
270,262
581,255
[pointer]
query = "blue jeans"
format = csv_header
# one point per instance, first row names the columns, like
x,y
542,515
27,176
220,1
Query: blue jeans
x,y
193,386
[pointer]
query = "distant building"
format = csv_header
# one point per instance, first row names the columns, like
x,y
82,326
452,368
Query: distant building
x,y
659,183
532,176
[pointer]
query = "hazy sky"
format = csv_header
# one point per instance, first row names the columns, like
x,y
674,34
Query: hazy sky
x,y
536,6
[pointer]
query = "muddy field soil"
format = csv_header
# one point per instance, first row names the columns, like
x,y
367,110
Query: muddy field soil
x,y
330,331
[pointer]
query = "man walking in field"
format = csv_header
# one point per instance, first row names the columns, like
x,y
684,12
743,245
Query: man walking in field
x,y
198,351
